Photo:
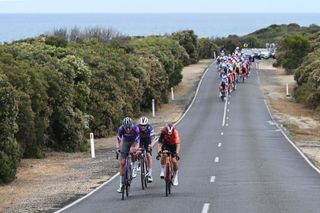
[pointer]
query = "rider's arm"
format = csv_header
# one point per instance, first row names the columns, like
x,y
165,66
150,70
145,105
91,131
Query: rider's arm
x,y
160,143
152,136
178,148
119,138
137,139
177,141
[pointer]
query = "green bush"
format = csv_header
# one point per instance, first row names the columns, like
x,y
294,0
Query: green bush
x,y
207,47
9,149
292,51
308,79
189,40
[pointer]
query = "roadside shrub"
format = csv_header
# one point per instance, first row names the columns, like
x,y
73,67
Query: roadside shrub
x,y
9,150
189,40
292,50
207,48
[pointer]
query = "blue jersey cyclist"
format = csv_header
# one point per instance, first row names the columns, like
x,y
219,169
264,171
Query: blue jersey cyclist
x,y
147,141
127,142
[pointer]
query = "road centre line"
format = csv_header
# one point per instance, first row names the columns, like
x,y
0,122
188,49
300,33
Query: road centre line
x,y
114,176
219,145
205,208
224,112
216,160
212,179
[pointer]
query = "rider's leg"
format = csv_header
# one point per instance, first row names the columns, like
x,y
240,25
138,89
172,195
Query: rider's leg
x,y
175,171
162,166
134,161
149,162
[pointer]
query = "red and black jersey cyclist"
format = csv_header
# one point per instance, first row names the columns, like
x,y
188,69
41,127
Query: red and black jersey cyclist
x,y
147,141
169,140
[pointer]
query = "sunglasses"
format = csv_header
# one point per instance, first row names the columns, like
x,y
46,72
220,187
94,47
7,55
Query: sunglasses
x,y
143,125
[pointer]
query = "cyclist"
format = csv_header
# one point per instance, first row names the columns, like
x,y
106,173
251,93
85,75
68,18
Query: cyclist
x,y
127,141
169,140
147,141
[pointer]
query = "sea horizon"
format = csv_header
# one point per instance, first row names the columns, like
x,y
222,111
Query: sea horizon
x,y
15,26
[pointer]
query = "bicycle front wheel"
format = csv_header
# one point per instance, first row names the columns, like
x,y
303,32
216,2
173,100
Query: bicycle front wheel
x,y
146,173
167,180
143,173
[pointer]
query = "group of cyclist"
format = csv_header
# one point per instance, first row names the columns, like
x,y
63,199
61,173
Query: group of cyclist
x,y
232,69
132,137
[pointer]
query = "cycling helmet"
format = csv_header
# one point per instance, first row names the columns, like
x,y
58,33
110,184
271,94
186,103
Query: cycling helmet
x,y
127,122
170,128
143,120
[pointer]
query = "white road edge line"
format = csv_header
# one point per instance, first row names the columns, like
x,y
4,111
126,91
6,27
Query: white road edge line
x,y
87,195
113,177
224,112
205,208
212,179
290,141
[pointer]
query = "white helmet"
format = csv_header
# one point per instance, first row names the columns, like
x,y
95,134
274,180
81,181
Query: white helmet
x,y
143,120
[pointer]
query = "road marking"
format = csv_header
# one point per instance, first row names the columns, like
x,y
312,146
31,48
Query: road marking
x,y
216,160
227,124
87,195
224,112
221,133
219,145
205,208
229,102
117,174
212,179
259,82
227,118
272,123
291,142
228,110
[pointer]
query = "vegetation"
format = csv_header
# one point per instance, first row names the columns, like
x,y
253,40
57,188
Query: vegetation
x,y
57,88
291,52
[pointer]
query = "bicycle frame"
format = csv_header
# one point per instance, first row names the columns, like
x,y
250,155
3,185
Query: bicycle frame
x,y
168,168
127,178
143,166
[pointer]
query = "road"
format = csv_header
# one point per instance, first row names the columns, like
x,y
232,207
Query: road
x,y
233,159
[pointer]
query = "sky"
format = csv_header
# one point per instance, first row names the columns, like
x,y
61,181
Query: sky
x,y
159,6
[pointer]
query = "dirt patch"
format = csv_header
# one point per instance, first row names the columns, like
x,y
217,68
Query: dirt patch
x,y
302,124
46,185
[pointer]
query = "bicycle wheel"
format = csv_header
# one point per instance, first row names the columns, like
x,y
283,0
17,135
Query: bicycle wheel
x,y
167,180
123,186
146,173
129,179
143,173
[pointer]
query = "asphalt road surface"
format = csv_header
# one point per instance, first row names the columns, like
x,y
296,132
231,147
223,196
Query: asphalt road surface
x,y
234,159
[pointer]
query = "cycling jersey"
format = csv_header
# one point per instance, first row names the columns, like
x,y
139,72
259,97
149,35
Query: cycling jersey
x,y
129,137
147,135
223,85
169,139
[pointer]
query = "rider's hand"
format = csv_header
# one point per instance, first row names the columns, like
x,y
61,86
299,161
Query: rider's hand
x,y
177,156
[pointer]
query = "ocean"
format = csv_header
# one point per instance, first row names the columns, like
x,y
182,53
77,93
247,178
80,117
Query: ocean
x,y
18,26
